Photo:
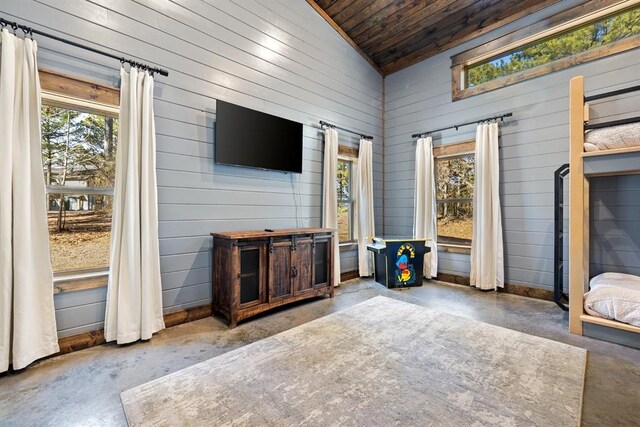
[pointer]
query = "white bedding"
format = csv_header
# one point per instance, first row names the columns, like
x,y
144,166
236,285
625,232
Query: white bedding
x,y
622,136
614,296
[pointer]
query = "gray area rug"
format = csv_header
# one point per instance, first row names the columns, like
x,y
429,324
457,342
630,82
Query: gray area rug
x,y
381,362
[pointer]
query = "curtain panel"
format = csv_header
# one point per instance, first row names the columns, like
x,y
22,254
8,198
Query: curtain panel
x,y
134,296
27,314
365,213
425,214
487,257
330,194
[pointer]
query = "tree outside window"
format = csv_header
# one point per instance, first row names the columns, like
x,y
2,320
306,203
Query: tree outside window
x,y
454,194
565,44
345,201
78,153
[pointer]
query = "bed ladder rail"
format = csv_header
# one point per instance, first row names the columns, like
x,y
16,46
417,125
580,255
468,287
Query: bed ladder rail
x,y
559,297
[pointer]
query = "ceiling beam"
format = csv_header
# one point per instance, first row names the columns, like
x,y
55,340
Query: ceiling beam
x,y
344,35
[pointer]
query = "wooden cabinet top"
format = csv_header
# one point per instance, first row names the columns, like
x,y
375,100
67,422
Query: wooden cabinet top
x,y
259,234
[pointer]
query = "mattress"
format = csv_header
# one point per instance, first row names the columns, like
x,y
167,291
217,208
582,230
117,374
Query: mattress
x,y
622,136
614,296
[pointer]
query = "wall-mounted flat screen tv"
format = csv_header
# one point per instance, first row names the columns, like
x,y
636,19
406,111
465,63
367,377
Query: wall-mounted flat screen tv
x,y
246,137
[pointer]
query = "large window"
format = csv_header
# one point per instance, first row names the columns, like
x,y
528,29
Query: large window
x,y
569,38
572,42
78,153
345,200
454,193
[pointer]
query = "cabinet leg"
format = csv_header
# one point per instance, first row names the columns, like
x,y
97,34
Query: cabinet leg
x,y
233,321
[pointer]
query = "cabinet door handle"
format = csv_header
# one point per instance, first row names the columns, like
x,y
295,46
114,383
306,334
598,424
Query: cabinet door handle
x,y
294,271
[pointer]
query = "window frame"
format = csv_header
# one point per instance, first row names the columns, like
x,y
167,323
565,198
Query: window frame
x,y
350,154
66,91
448,152
351,201
546,28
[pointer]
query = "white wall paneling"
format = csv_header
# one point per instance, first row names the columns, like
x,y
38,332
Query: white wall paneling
x,y
279,57
533,144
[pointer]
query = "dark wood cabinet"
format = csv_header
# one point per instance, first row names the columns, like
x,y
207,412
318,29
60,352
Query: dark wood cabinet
x,y
280,270
254,271
302,264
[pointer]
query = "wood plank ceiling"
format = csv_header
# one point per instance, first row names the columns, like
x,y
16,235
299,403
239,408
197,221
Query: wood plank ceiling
x,y
394,34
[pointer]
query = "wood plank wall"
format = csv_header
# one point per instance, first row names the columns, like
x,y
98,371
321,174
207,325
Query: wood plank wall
x,y
615,224
276,56
534,143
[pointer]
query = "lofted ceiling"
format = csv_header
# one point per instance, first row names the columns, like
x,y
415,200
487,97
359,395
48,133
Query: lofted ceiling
x,y
393,34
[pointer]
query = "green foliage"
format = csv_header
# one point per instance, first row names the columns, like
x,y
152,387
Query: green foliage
x,y
343,180
343,187
572,42
78,146
454,188
455,179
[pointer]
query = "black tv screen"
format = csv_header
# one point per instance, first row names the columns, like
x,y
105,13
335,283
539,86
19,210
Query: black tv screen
x,y
246,137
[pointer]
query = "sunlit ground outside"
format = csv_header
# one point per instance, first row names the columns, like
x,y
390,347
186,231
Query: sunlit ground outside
x,y
83,244
456,228
343,223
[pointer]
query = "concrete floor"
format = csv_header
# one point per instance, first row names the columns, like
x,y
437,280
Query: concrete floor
x,y
83,388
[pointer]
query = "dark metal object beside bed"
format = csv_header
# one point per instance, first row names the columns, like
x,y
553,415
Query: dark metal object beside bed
x,y
559,297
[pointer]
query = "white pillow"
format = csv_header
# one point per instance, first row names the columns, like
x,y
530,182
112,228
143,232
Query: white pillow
x,y
588,147
614,296
615,279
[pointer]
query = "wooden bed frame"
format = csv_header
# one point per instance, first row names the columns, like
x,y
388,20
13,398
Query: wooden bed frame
x,y
624,161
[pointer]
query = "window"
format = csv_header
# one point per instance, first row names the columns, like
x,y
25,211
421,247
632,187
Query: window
x,y
572,42
454,197
79,142
78,152
576,37
345,201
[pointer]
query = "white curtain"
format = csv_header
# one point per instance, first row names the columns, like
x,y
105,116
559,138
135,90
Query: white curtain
x,y
27,315
330,194
366,226
134,297
487,259
425,211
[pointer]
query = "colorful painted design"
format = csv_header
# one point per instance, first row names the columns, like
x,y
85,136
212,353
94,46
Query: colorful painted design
x,y
405,273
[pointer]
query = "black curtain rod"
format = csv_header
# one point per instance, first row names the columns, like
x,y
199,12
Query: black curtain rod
x,y
30,31
488,119
322,124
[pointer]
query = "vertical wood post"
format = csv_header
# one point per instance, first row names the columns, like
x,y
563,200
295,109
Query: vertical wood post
x,y
578,207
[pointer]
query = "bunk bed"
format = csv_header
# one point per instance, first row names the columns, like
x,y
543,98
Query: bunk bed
x,y
616,152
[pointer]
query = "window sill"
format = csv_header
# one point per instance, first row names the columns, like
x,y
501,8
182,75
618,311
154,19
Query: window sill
x,y
80,282
456,249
